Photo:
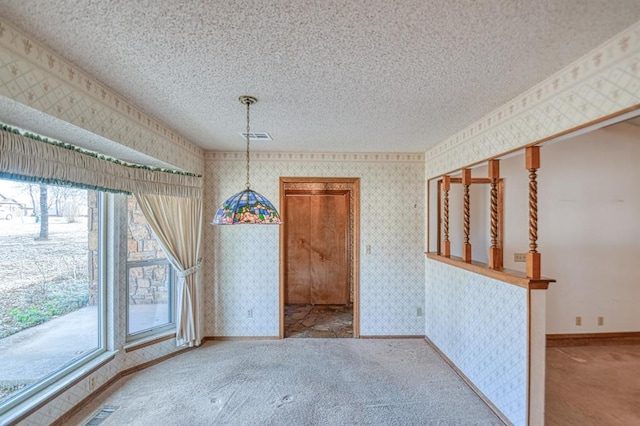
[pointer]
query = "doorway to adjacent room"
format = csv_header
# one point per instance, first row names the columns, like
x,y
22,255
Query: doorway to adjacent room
x,y
319,257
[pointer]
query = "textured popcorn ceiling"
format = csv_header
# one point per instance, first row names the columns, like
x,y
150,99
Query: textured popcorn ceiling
x,y
354,76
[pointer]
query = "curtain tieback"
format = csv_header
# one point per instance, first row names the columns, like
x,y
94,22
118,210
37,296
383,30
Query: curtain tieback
x,y
192,270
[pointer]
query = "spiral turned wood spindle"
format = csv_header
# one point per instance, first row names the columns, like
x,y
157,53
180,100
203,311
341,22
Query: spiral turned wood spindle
x,y
494,213
495,252
467,214
532,163
446,244
446,216
533,211
466,182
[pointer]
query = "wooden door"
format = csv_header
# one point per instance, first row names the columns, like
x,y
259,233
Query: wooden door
x,y
298,273
317,227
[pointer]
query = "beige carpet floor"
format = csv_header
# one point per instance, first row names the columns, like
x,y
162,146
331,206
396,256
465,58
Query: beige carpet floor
x,y
593,385
296,382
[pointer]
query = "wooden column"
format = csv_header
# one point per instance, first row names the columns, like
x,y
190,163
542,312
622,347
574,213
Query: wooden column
x,y
446,244
532,159
495,252
466,248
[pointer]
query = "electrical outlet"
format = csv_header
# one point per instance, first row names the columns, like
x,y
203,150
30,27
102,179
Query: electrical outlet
x,y
578,320
249,313
600,320
92,384
368,249
519,257
419,311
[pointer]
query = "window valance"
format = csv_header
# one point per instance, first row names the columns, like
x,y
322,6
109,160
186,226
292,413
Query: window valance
x,y
28,159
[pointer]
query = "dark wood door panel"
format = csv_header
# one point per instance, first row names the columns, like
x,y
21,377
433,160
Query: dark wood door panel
x,y
298,273
317,267
329,225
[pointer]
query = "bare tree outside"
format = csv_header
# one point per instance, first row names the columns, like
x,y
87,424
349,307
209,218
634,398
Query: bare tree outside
x,y
30,188
71,206
44,213
65,200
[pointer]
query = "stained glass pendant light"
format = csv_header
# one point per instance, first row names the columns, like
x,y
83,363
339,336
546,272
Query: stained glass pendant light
x,y
248,206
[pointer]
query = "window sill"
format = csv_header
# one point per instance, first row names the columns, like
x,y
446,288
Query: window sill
x,y
505,275
24,409
148,341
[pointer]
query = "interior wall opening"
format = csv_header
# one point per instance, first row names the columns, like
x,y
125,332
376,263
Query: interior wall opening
x,y
589,207
318,294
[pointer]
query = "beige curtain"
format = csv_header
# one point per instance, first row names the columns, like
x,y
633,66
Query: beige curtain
x,y
177,223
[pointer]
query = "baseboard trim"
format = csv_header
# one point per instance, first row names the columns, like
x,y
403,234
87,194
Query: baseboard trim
x,y
473,387
593,339
234,338
392,336
64,419
155,361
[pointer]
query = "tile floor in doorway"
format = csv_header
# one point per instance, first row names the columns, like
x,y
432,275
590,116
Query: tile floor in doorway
x,y
318,321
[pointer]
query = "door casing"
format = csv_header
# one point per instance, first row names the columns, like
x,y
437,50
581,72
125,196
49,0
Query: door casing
x,y
322,184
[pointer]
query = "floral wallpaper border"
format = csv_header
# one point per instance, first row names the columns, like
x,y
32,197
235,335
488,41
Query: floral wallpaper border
x,y
368,157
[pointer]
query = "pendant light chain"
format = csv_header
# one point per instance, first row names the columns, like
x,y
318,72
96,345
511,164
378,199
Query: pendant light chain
x,y
248,129
247,206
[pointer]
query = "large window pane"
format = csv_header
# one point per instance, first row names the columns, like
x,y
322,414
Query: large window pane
x,y
49,283
149,278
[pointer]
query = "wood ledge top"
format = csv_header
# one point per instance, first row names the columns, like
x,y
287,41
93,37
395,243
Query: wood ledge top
x,y
506,275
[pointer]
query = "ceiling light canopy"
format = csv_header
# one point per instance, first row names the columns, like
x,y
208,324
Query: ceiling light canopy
x,y
247,206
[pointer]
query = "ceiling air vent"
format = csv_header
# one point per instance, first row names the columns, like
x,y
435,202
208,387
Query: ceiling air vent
x,y
257,136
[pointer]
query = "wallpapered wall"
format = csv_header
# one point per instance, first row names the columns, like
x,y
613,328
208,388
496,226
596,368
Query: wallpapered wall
x,y
241,264
481,324
605,81
35,76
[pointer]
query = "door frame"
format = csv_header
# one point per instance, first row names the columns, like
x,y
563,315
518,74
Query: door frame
x,y
352,185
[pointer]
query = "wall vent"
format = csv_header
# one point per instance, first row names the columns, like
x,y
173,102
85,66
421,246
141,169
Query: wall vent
x,y
101,415
256,136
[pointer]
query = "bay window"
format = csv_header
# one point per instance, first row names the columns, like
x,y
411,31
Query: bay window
x,y
51,285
